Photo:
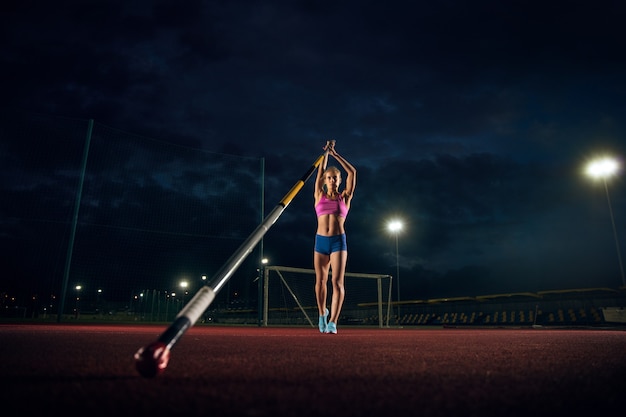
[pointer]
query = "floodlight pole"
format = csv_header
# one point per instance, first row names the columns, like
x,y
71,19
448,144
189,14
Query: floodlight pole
x,y
394,227
398,273
619,252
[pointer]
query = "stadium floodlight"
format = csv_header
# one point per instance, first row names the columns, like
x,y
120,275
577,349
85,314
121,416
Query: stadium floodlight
x,y
77,288
395,226
184,284
604,168
98,293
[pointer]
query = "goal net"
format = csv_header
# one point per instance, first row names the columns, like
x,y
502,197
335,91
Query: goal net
x,y
289,298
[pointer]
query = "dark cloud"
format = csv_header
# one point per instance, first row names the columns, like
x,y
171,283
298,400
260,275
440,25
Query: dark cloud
x,y
470,120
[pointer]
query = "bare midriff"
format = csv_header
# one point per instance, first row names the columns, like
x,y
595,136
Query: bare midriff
x,y
330,225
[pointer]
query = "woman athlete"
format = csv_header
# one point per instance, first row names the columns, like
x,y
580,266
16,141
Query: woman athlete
x,y
331,251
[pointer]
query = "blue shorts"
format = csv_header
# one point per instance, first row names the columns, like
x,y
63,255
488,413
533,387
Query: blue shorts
x,y
330,244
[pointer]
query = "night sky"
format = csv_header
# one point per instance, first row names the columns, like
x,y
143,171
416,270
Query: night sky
x,y
472,121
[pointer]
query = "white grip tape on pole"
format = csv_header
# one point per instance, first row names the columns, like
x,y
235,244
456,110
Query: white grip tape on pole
x,y
198,304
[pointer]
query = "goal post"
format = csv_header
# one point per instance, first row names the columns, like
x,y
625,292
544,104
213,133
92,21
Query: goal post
x,y
289,297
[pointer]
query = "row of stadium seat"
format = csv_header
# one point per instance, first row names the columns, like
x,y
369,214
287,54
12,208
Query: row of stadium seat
x,y
580,316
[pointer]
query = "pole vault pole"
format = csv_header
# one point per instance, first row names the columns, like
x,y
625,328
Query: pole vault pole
x,y
152,359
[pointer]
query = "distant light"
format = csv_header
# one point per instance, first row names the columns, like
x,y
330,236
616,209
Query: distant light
x,y
395,226
264,261
184,284
203,277
79,287
602,168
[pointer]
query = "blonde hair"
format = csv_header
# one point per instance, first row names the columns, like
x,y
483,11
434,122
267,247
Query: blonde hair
x,y
333,169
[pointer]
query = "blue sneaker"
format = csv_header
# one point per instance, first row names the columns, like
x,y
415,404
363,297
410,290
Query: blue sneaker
x,y
323,323
331,328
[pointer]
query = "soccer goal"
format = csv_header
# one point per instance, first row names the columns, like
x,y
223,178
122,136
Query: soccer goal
x,y
289,298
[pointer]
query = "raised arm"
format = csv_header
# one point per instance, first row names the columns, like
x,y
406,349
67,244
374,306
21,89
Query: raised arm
x,y
350,182
319,180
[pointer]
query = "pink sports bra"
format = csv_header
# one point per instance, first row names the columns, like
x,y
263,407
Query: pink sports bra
x,y
328,206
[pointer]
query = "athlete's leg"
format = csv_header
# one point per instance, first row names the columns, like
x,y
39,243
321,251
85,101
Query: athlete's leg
x,y
338,261
321,263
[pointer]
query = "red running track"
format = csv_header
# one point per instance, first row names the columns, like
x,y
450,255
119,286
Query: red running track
x,y
252,371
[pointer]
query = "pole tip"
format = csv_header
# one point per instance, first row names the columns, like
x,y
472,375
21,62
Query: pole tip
x,y
152,360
